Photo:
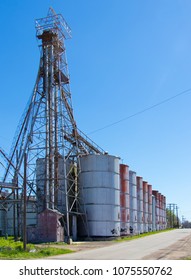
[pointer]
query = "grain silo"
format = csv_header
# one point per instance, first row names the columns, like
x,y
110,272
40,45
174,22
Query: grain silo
x,y
154,213
133,201
124,199
150,207
164,208
157,220
100,189
145,205
140,204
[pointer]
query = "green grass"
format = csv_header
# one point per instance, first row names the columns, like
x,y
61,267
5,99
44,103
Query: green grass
x,y
127,238
10,249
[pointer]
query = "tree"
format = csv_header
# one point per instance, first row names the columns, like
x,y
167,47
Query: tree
x,y
172,219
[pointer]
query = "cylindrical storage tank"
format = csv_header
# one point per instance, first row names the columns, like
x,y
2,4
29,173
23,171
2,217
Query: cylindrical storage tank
x,y
160,210
2,214
164,206
100,194
154,213
150,207
145,206
156,194
140,204
133,202
124,199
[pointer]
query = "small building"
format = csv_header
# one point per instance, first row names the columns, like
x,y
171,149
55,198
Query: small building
x,y
49,227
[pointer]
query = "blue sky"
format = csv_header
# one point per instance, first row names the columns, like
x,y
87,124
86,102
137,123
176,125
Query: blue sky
x,y
124,57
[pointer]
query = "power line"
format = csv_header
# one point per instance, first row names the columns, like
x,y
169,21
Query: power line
x,y
141,111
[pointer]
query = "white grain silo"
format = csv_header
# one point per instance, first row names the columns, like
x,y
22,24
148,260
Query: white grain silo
x,y
154,213
100,190
156,194
139,204
133,201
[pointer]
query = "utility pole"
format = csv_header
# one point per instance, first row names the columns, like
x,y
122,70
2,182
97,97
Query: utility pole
x,y
173,215
177,219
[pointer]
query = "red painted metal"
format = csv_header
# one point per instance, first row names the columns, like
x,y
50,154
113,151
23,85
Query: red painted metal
x,y
124,185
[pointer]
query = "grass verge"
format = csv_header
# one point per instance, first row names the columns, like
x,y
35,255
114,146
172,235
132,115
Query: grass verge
x,y
126,238
13,250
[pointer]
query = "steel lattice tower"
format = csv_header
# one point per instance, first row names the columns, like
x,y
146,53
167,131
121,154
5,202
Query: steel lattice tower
x,y
48,133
